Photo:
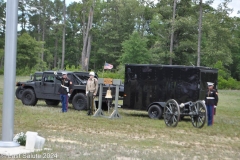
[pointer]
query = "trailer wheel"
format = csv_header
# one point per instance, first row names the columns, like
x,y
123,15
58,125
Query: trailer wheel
x,y
171,113
79,101
19,92
199,114
155,112
28,97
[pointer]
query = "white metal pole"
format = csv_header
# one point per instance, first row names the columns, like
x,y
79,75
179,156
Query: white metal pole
x,y
9,74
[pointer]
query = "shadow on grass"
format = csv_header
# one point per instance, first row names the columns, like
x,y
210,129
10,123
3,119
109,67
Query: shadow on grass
x,y
136,115
45,105
70,108
185,119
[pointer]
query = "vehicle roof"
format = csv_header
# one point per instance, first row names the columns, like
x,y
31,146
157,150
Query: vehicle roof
x,y
170,66
57,71
39,72
84,75
77,72
82,72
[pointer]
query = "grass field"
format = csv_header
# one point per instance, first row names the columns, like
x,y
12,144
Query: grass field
x,y
74,135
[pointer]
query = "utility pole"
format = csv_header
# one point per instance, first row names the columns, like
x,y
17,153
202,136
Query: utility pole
x,y
199,34
63,36
172,32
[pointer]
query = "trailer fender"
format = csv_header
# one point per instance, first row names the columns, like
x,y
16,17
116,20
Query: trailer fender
x,y
161,104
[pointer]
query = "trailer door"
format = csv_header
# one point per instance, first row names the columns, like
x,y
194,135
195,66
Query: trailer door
x,y
207,75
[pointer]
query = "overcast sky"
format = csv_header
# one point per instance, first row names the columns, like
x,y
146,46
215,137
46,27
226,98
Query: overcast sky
x,y
235,4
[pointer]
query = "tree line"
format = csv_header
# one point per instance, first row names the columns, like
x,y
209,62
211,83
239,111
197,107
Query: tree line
x,y
84,35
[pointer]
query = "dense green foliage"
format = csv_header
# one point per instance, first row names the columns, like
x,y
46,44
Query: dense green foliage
x,y
125,31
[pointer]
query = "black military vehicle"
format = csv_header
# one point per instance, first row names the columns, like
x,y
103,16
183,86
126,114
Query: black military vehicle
x,y
47,89
20,85
149,87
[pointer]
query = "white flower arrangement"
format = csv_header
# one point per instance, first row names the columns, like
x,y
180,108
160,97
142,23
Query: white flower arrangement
x,y
20,138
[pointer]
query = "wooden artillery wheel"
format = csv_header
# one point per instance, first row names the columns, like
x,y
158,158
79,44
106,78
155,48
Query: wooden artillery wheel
x,y
171,113
199,114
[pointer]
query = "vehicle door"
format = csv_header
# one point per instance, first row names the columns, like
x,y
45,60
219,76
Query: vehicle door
x,y
58,84
48,86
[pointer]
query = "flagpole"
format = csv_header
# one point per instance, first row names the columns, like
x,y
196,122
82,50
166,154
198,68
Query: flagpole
x,y
103,69
102,72
10,51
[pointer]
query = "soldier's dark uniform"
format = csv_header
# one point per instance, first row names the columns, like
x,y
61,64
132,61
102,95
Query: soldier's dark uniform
x,y
65,82
211,100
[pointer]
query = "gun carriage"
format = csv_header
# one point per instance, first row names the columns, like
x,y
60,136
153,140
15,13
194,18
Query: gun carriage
x,y
173,112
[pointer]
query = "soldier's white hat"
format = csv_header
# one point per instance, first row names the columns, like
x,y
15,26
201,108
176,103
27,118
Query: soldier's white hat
x,y
91,74
64,73
210,83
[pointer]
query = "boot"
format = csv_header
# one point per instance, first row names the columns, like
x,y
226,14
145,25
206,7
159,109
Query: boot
x,y
89,112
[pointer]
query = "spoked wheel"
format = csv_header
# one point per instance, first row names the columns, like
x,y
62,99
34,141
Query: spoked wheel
x,y
199,114
171,113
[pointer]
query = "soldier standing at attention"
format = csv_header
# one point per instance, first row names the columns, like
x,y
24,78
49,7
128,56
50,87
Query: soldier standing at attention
x,y
211,100
64,89
91,91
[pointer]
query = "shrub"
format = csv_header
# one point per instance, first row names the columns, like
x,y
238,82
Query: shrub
x,y
229,83
20,138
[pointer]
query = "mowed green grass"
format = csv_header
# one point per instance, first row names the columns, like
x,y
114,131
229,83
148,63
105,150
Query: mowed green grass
x,y
74,135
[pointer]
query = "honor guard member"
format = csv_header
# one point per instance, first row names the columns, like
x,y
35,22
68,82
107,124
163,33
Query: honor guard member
x,y
211,100
64,90
91,91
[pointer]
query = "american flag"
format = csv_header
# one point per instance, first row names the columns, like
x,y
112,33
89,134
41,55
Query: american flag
x,y
108,66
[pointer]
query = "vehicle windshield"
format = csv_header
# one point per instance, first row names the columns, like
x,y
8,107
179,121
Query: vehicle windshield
x,y
38,77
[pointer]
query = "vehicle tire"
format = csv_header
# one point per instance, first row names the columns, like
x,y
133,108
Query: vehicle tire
x,y
29,98
155,112
19,92
79,101
51,102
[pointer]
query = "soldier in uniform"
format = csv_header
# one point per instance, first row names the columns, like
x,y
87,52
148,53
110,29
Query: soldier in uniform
x,y
91,91
64,89
211,100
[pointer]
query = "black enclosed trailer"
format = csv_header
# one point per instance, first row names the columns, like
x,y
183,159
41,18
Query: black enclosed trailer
x,y
149,87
